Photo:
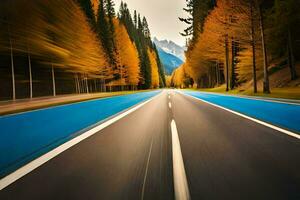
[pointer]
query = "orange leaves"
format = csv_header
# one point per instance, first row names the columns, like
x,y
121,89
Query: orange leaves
x,y
178,77
229,22
154,69
95,4
55,32
87,54
127,55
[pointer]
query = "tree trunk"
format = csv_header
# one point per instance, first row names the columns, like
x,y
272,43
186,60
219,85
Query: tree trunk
x,y
291,58
232,85
266,87
227,62
76,86
209,79
30,75
104,86
79,83
95,83
12,71
253,50
87,85
53,80
217,74
75,82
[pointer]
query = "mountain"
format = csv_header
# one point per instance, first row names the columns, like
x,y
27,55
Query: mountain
x,y
170,47
169,61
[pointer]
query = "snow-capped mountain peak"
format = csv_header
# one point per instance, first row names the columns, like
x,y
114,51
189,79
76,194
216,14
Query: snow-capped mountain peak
x,y
170,47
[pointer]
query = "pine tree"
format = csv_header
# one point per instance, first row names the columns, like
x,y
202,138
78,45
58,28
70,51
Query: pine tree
x,y
139,33
162,77
197,11
104,29
135,19
110,13
145,28
87,7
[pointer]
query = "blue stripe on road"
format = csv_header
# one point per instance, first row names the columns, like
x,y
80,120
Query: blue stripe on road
x,y
27,136
279,114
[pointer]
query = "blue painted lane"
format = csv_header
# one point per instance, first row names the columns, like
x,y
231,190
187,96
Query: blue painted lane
x,y
28,135
280,114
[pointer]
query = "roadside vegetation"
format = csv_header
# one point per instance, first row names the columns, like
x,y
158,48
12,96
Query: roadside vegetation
x,y
74,47
242,46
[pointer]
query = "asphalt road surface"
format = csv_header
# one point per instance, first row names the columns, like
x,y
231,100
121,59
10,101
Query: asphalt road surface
x,y
219,155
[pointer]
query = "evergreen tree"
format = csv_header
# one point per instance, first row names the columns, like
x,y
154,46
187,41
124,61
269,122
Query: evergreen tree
x,y
110,13
135,19
87,7
162,81
197,11
139,33
125,17
104,29
145,29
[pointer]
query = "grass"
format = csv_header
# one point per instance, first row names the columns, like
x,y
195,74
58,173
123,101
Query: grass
x,y
13,108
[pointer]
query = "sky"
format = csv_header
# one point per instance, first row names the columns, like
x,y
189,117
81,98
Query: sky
x,y
162,16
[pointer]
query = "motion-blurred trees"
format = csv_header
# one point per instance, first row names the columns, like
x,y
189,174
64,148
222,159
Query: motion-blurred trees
x,y
66,46
235,40
139,33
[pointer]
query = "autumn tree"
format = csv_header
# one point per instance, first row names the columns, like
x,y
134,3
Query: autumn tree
x,y
87,7
128,59
54,43
154,69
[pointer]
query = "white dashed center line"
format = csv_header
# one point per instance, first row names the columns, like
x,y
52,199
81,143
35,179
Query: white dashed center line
x,y
179,176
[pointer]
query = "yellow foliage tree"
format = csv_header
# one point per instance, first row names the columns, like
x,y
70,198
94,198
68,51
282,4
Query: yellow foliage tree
x,y
48,32
154,69
127,56
178,77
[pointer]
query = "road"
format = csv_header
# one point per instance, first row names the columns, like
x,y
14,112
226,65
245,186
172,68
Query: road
x,y
218,154
45,129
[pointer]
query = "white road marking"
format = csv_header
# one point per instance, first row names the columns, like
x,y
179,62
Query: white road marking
x,y
169,97
147,166
180,181
19,173
295,135
170,105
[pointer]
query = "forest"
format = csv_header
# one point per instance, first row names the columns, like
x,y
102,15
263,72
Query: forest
x,y
240,44
50,48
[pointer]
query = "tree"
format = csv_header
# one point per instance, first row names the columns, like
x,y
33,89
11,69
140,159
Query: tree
x,y
55,43
162,77
212,45
128,60
104,29
87,7
197,11
154,68
145,28
282,22
135,19
266,84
